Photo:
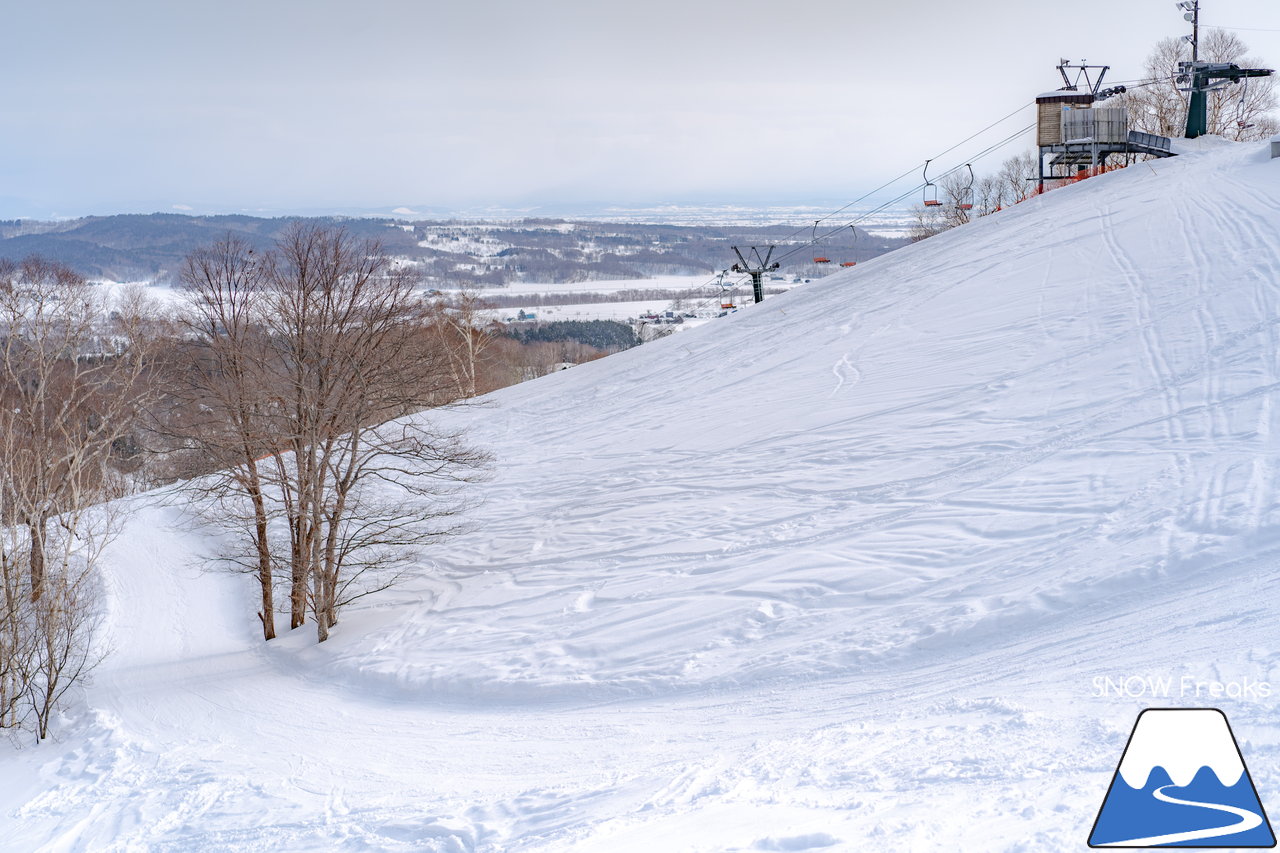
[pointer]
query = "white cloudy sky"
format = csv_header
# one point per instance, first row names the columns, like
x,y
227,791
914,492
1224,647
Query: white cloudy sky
x,y
318,104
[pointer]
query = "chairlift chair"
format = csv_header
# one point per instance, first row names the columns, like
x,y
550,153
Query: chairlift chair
x,y
1241,122
966,195
930,188
855,243
727,294
818,259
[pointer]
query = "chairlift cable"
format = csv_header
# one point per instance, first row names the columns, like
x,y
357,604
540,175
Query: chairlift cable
x,y
914,189
701,287
912,170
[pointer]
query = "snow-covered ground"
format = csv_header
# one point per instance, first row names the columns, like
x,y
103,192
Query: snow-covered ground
x,y
613,285
620,311
697,294
847,570
693,289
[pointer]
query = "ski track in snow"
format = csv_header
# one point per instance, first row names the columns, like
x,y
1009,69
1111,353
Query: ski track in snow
x,y
832,573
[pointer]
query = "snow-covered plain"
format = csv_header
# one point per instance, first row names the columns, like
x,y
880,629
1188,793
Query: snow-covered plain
x,y
692,294
612,285
618,311
842,571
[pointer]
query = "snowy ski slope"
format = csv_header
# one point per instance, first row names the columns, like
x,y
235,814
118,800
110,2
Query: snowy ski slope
x,y
838,572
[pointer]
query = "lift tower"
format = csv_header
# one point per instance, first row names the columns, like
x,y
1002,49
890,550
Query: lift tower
x,y
757,270
1199,78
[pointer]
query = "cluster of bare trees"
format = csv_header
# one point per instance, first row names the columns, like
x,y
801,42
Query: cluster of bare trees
x,y
73,381
294,372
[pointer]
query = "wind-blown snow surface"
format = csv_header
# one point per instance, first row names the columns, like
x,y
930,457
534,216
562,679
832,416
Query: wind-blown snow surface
x,y
837,572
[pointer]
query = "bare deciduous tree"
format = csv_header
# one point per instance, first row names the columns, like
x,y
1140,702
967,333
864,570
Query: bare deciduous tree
x,y
219,392
464,332
304,355
1014,181
72,381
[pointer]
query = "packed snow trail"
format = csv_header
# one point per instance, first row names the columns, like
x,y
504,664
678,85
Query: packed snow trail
x,y
836,572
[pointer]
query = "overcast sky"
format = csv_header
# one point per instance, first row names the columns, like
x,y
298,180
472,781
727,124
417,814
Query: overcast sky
x,y
276,105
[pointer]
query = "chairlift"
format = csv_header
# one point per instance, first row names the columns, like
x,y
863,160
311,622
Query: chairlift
x,y
818,259
966,195
727,298
930,188
1241,123
855,243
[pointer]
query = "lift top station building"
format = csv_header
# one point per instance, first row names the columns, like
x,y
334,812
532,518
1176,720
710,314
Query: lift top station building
x,y
1074,133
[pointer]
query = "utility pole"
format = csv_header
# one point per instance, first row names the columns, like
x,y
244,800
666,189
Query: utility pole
x,y
1191,10
1198,104
757,270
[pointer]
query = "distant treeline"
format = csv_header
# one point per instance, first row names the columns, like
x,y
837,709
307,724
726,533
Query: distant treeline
x,y
676,298
608,335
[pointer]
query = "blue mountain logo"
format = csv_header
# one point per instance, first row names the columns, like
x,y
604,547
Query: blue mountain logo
x,y
1182,782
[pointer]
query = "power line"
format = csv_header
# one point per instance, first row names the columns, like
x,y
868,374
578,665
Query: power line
x,y
1245,29
909,192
